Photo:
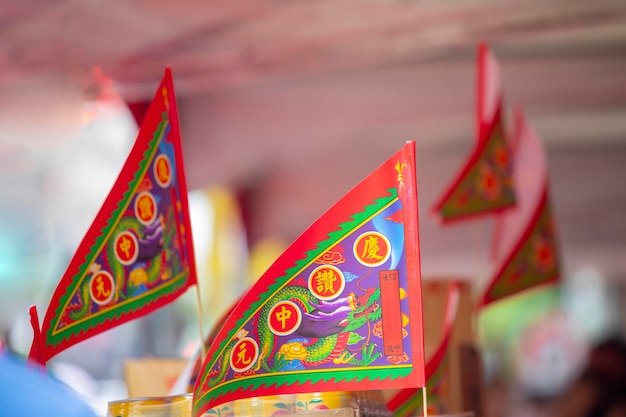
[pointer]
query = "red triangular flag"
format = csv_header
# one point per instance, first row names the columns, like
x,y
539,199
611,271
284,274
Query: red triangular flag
x,y
527,245
339,310
137,255
484,185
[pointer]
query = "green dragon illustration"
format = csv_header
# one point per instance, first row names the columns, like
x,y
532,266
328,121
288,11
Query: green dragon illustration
x,y
158,267
331,325
333,347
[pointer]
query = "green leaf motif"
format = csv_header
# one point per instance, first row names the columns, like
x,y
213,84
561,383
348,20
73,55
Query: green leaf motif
x,y
354,338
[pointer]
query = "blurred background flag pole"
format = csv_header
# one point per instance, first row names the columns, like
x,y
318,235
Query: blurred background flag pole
x,y
200,310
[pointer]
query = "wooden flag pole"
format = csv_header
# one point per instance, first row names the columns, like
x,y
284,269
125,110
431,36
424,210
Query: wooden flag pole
x,y
478,246
425,401
479,266
203,346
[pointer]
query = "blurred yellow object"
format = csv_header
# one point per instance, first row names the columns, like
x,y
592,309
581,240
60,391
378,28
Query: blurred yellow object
x,y
171,406
271,405
222,251
151,377
263,254
313,404
316,401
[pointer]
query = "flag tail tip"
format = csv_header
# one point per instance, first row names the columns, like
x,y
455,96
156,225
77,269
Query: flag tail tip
x,y
435,215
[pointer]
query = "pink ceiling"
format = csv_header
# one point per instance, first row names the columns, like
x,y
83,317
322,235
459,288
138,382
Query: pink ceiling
x,y
296,101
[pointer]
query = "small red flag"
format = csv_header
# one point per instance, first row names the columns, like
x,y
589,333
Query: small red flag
x,y
485,183
526,245
137,255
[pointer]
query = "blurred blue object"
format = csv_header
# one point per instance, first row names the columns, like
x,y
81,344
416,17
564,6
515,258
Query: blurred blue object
x,y
28,391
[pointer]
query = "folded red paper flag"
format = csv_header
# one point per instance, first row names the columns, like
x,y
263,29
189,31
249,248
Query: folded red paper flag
x,y
484,185
137,255
317,319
